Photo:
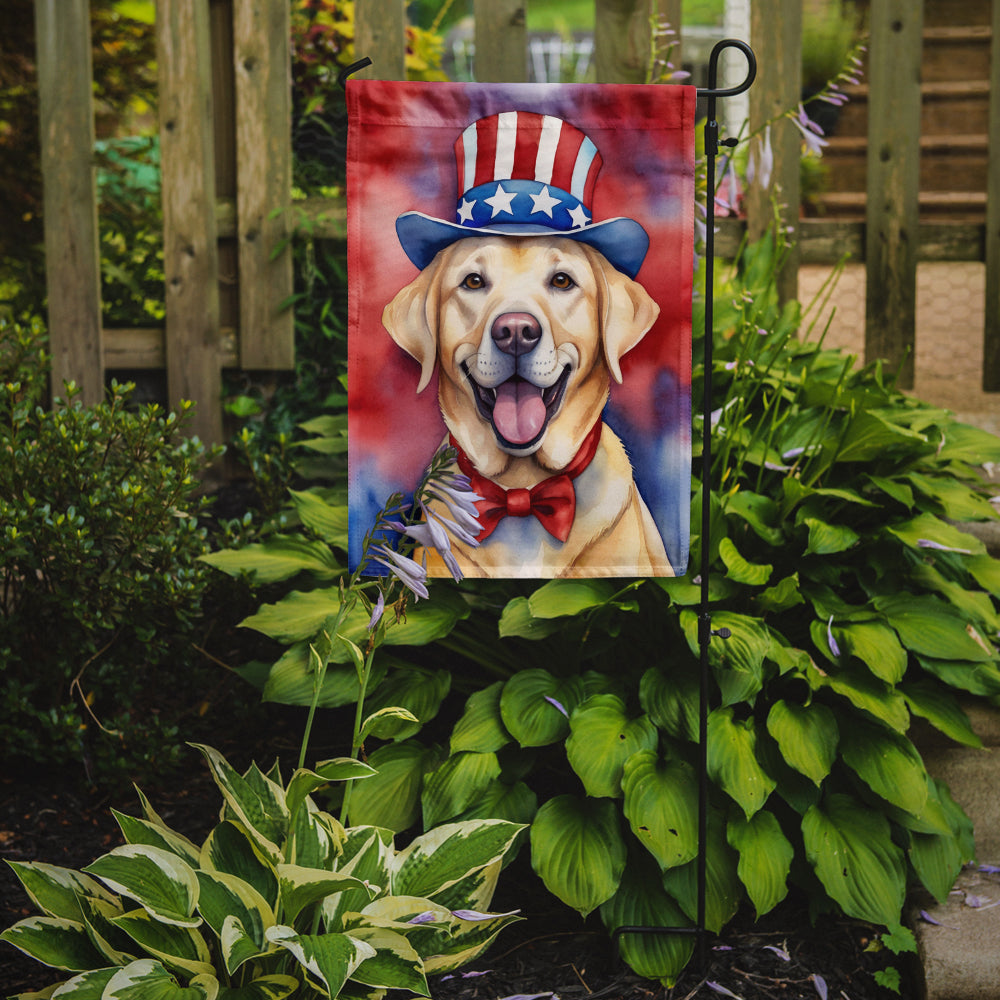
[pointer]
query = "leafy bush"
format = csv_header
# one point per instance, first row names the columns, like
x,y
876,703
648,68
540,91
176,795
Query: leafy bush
x,y
854,604
99,540
279,899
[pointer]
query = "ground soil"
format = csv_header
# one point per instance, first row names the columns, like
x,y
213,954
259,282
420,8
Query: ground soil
x,y
551,951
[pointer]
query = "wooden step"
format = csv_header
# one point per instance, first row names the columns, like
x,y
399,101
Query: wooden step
x,y
958,206
956,53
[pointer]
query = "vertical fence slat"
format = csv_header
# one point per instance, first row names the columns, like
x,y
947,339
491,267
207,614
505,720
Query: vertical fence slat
x,y
380,34
261,57
621,40
776,35
501,41
72,256
991,332
892,215
190,253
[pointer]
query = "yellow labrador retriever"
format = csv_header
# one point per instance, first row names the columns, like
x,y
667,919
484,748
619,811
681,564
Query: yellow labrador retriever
x,y
526,334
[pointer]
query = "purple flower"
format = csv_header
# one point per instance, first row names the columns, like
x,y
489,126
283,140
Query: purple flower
x,y
811,132
761,163
820,983
780,952
927,543
475,915
410,573
377,612
427,917
834,648
558,705
719,988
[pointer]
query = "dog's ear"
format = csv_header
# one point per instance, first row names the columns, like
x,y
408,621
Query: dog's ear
x,y
628,313
411,319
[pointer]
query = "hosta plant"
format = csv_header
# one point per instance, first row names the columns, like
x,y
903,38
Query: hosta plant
x,y
279,900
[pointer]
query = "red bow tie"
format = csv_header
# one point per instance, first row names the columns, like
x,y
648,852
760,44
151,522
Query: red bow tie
x,y
552,501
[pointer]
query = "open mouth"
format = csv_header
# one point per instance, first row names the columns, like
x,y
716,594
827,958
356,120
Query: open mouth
x,y
518,410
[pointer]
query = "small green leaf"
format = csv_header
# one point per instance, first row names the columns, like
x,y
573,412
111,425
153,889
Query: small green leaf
x,y
456,784
561,598
807,736
765,858
481,727
941,709
739,569
828,539
279,558
328,521
671,700
535,706
888,763
732,760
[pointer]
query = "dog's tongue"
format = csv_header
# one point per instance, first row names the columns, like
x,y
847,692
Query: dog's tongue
x,y
519,412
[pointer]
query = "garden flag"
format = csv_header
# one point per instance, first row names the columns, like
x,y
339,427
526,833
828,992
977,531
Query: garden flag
x,y
520,267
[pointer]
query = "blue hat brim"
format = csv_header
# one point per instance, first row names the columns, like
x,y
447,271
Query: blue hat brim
x,y
623,242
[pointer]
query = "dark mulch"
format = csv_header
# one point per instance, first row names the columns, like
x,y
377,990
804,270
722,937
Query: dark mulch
x,y
551,951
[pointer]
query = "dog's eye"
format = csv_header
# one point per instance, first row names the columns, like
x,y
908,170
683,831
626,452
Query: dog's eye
x,y
474,280
562,280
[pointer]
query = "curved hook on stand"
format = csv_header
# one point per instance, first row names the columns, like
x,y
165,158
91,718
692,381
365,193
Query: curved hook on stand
x,y
353,68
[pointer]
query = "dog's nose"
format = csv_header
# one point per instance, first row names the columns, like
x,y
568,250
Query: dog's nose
x,y
516,332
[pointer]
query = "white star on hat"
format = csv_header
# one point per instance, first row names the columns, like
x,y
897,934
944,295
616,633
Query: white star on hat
x,y
465,210
500,202
579,217
544,202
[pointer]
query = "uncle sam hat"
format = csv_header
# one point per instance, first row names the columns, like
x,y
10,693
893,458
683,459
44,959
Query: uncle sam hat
x,y
525,174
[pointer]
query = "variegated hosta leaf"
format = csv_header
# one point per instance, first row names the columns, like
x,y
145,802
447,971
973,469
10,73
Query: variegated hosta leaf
x,y
158,880
441,857
256,801
468,939
274,987
456,784
149,980
304,782
578,851
54,941
888,763
732,760
395,964
602,737
850,847
475,891
807,736
301,887
177,947
765,858
116,947
367,853
230,849
225,897
56,891
86,986
535,706
481,727
661,805
315,838
328,959
141,831
642,902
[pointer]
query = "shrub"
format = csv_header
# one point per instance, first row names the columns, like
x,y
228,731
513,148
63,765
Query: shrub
x,y
854,604
99,539
280,899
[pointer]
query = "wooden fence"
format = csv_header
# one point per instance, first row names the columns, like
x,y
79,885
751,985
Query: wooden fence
x,y
226,161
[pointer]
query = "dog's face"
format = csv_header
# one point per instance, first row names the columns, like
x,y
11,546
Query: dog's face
x,y
527,333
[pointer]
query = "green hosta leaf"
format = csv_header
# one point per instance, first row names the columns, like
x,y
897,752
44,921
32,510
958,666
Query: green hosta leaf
x,y
931,628
159,881
661,800
850,847
739,569
517,620
975,605
395,964
965,443
807,736
226,898
864,691
438,859
758,511
260,806
535,706
275,987
417,690
516,803
292,681
732,760
279,558
578,851
894,489
870,435
937,860
783,595
723,889
180,948
481,728
941,709
560,598
888,763
928,528
828,539
738,661
765,858
387,723
391,798
330,959
141,831
456,784
986,571
602,738
641,901
876,646
56,891
327,520
976,678
957,501
671,700
54,941
230,849
147,979
301,887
